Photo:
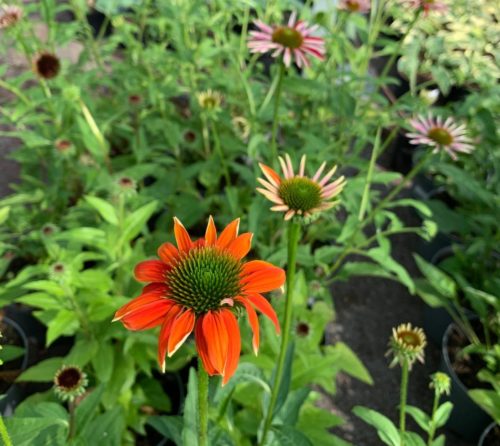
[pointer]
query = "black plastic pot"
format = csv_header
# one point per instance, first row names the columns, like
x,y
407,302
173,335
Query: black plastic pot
x,y
467,419
15,392
487,438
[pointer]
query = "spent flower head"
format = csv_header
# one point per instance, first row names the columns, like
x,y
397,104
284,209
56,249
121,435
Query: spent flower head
x,y
441,383
125,186
46,65
203,286
428,5
70,382
440,134
10,15
407,344
293,41
241,127
297,194
210,100
355,5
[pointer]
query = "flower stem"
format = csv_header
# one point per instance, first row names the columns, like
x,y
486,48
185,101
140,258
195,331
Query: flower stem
x,y
366,192
202,404
403,396
293,244
72,426
432,427
218,148
277,100
4,434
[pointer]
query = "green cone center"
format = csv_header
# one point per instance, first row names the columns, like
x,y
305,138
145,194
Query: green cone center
x,y
441,136
410,339
203,278
288,37
300,194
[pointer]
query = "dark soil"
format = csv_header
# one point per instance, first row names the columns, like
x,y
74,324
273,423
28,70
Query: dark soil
x,y
466,367
493,437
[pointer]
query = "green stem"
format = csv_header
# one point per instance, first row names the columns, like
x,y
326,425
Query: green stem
x,y
4,434
293,244
403,395
202,404
281,75
14,90
432,428
218,148
395,54
72,425
366,192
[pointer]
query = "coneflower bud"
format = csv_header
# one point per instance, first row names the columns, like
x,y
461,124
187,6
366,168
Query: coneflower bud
x,y
63,146
70,382
407,344
46,65
209,100
441,383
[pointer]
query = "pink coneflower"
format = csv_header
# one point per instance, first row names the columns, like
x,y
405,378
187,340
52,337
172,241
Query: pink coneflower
x,y
298,194
447,135
428,5
293,41
9,15
355,5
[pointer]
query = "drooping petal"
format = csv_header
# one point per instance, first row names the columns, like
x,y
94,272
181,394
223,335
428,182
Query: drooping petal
x,y
217,339
182,327
253,320
241,245
255,265
168,253
202,346
144,299
270,174
182,238
151,271
234,345
165,331
264,280
228,234
265,308
211,232
148,315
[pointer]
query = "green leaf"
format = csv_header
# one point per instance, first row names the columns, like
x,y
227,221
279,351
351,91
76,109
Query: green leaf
x,y
442,283
413,439
191,413
10,352
44,371
382,257
106,429
169,426
86,410
428,294
316,422
289,413
4,214
285,378
65,323
488,400
136,221
155,395
443,413
103,362
36,431
421,418
40,300
386,430
350,363
105,209
82,352
288,436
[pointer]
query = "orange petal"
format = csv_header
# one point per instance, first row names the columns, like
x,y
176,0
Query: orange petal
x,y
147,316
211,232
151,271
181,328
216,336
254,323
234,346
165,331
270,174
263,280
241,245
228,234
184,242
202,347
265,308
144,299
168,253
255,265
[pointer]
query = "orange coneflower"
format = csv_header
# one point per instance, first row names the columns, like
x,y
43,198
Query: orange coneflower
x,y
298,194
203,286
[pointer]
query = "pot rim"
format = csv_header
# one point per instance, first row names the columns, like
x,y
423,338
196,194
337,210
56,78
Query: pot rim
x,y
24,339
485,433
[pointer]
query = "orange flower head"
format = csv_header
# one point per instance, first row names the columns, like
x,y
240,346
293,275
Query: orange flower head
x,y
203,286
297,194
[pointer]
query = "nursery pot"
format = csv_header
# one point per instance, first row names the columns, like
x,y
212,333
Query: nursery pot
x,y
467,419
12,393
490,436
